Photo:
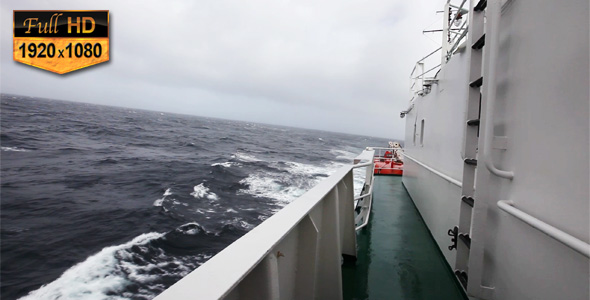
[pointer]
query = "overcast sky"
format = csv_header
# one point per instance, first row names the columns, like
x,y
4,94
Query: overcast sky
x,y
336,65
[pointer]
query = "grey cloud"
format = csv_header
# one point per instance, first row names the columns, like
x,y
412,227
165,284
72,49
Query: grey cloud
x,y
332,65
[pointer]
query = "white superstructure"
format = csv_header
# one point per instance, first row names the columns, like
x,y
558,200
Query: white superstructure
x,y
511,170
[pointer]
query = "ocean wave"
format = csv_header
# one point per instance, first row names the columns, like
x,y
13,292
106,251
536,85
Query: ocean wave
x,y
238,223
227,164
286,186
138,269
296,168
245,157
192,228
100,275
201,191
14,149
205,211
267,186
297,178
160,201
343,154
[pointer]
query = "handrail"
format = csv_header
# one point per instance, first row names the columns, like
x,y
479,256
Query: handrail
x,y
459,11
365,195
559,235
370,195
310,234
366,221
402,114
425,57
441,174
457,41
427,71
490,83
367,154
362,165
382,148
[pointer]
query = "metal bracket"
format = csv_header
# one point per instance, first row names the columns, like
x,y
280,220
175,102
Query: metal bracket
x,y
454,233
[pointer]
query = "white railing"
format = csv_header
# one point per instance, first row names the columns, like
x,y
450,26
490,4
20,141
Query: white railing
x,y
459,32
561,236
439,173
418,79
364,202
454,31
295,254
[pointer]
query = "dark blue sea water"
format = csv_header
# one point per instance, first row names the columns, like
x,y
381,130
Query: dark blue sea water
x,y
102,202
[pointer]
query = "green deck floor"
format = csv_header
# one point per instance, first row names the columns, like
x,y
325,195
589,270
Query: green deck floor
x,y
397,256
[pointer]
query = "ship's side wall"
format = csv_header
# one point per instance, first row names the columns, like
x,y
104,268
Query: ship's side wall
x,y
541,133
439,146
543,110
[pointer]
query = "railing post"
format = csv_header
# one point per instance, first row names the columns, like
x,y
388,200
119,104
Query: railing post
x,y
347,224
445,35
329,279
307,259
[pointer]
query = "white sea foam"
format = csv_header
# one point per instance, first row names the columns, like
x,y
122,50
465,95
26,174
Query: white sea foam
x,y
266,185
201,191
14,149
99,275
204,211
245,157
286,187
343,154
227,164
194,228
239,222
160,202
309,170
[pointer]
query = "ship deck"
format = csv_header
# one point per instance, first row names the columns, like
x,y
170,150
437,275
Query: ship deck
x,y
397,258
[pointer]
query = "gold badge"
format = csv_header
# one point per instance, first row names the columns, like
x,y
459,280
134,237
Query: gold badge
x,y
61,41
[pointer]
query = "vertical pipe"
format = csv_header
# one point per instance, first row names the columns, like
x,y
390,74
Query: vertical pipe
x,y
490,80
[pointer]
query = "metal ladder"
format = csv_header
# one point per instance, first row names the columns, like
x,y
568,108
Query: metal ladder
x,y
462,233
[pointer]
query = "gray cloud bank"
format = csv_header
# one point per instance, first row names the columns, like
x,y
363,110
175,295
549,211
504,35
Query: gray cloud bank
x,y
330,65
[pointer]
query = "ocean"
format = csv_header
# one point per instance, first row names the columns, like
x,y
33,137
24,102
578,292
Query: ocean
x,y
102,202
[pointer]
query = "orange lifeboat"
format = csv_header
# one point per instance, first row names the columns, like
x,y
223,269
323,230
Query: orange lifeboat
x,y
388,164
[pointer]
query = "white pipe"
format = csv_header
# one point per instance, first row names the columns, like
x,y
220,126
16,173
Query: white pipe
x,y
490,82
367,194
369,208
418,77
563,237
425,57
459,10
456,42
362,165
443,175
